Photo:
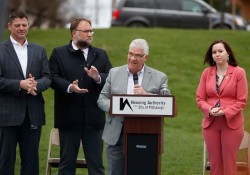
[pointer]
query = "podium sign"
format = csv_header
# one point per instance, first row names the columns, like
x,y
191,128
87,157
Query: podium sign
x,y
149,105
143,129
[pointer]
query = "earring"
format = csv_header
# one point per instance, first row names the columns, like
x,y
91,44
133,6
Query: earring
x,y
228,59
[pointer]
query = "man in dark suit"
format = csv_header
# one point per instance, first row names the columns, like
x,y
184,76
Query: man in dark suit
x,y
121,81
24,75
79,71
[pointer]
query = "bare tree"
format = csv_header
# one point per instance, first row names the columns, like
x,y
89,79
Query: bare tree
x,y
41,11
70,10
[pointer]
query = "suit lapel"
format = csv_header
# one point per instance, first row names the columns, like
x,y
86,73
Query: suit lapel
x,y
212,79
10,49
30,58
146,77
225,81
226,78
124,80
91,57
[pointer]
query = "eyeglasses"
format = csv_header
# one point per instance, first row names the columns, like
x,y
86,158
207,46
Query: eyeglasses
x,y
135,55
85,31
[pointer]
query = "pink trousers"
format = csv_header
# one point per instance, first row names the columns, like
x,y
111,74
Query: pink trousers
x,y
222,145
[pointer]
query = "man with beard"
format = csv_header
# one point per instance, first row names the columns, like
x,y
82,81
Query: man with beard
x,y
79,71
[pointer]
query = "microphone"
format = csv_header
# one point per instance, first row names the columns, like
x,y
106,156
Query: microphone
x,y
164,90
135,78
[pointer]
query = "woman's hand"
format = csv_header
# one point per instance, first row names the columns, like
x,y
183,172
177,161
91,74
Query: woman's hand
x,y
216,111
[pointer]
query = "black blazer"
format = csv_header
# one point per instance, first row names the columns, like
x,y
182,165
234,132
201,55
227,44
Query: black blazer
x,y
15,102
74,111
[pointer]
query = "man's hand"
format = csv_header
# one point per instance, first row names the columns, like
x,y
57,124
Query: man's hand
x,y
75,88
93,73
29,85
138,90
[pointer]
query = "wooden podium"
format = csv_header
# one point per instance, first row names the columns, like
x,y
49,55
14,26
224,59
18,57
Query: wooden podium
x,y
143,130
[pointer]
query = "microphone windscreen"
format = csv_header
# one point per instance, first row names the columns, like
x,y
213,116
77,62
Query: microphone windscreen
x,y
135,78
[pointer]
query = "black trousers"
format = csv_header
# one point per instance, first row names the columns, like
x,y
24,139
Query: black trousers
x,y
92,148
27,137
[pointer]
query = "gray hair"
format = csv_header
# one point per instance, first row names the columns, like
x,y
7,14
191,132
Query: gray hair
x,y
140,43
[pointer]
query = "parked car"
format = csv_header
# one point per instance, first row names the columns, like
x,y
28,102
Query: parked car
x,y
172,14
248,26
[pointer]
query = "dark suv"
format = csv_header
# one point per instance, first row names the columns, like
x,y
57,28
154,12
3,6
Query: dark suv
x,y
173,14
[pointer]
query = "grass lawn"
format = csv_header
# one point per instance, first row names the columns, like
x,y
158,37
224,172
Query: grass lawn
x,y
178,53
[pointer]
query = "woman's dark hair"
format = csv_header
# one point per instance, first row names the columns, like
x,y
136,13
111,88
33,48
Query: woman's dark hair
x,y
209,59
17,14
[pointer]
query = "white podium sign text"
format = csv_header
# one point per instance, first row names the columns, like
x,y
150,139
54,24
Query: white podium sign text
x,y
152,105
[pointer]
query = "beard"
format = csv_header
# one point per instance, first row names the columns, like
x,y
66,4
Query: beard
x,y
82,43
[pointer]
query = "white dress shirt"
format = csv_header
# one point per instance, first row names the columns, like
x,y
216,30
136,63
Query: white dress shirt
x,y
130,87
22,54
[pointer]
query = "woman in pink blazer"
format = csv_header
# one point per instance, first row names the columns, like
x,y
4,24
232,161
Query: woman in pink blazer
x,y
221,95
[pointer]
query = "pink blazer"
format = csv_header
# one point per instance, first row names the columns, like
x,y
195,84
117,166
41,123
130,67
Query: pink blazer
x,y
233,95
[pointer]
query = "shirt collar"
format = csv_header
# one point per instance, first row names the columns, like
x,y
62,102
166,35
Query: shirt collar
x,y
139,73
17,43
85,50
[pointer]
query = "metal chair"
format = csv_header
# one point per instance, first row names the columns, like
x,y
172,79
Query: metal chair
x,y
54,161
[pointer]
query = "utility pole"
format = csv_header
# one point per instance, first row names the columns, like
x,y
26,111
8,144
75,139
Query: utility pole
x,y
97,12
234,8
210,19
23,5
222,13
3,10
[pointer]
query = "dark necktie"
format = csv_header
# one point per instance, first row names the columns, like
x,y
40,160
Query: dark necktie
x,y
81,54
